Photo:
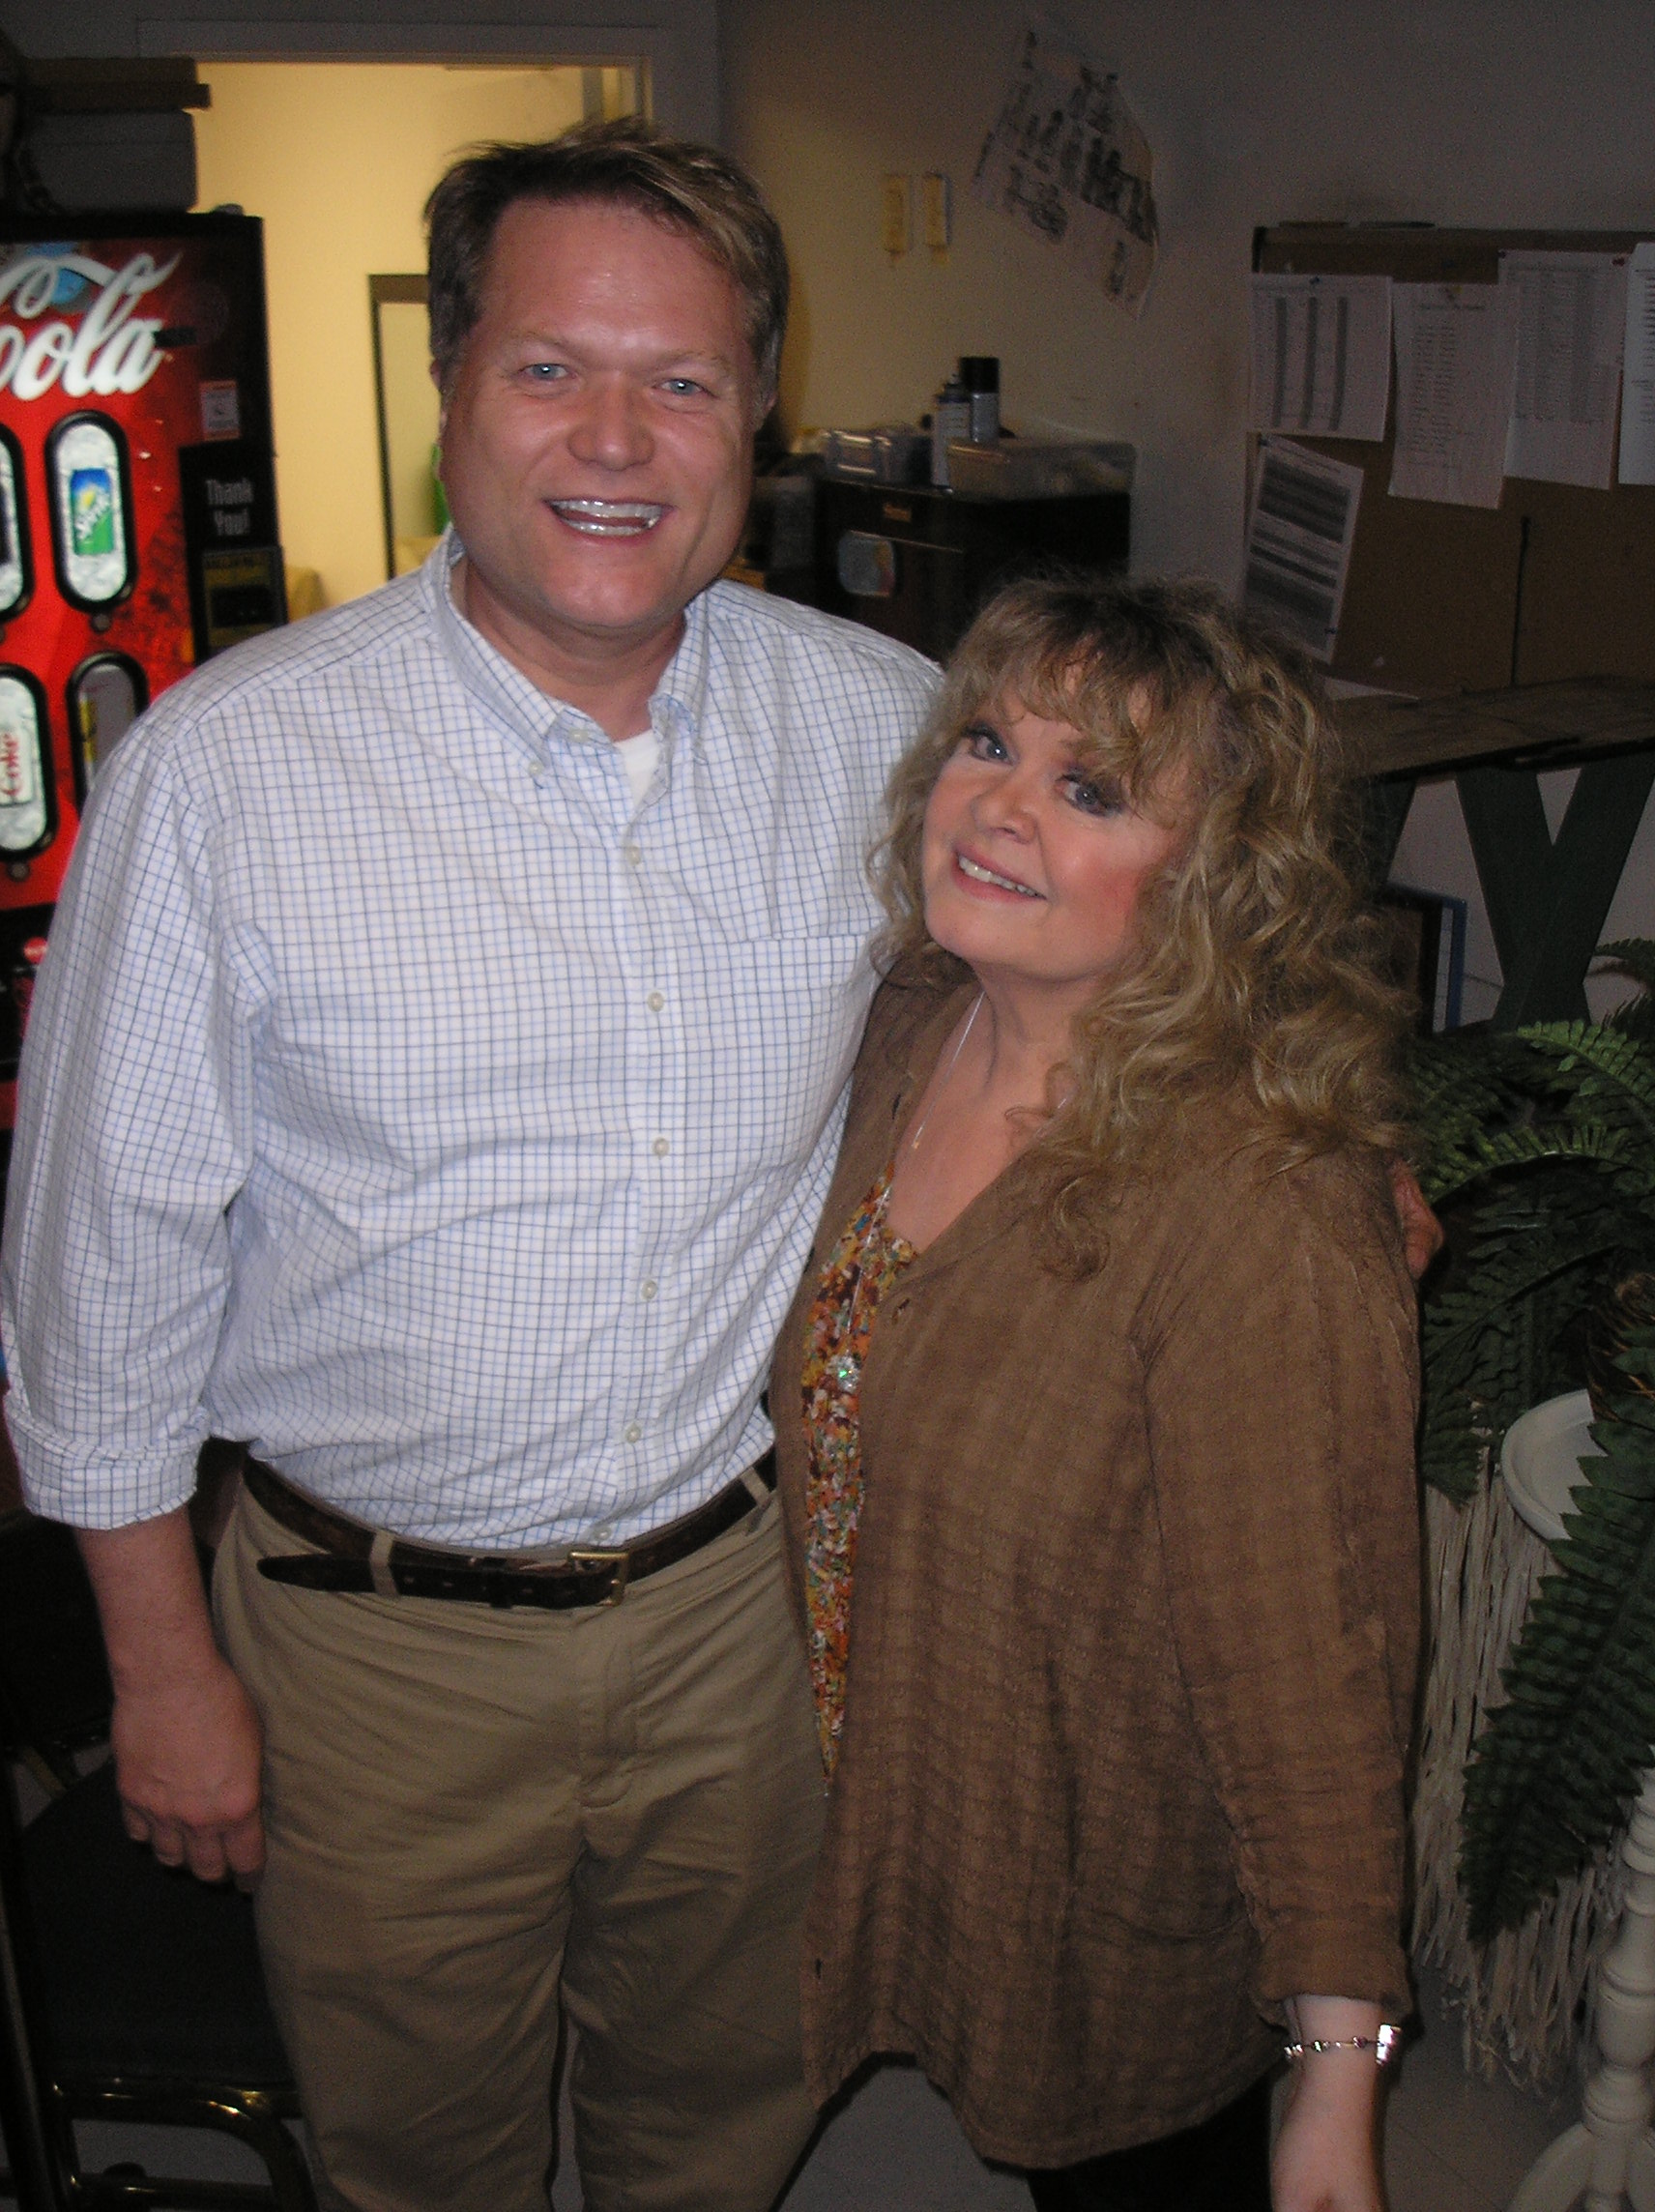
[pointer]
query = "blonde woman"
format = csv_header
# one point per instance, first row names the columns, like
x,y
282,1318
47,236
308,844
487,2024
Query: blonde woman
x,y
1100,1479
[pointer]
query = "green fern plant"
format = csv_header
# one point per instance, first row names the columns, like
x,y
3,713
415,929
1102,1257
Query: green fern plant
x,y
1555,1769
1540,1148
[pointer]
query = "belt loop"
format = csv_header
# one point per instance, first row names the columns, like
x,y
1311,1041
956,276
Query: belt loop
x,y
379,1564
755,1484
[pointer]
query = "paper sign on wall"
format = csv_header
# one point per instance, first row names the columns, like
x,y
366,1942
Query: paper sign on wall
x,y
1571,329
1456,355
1299,535
1066,161
1321,355
1637,392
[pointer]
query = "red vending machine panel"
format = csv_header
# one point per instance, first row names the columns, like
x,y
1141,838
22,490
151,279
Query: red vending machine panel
x,y
137,513
138,497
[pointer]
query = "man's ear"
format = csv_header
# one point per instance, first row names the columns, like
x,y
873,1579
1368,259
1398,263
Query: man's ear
x,y
436,376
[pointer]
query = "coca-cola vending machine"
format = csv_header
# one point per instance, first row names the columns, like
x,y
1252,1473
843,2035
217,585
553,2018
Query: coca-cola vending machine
x,y
137,516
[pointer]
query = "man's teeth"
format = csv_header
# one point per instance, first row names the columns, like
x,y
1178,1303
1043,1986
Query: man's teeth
x,y
983,875
608,517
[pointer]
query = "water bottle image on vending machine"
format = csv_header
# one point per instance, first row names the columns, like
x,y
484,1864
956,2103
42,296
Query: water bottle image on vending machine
x,y
137,515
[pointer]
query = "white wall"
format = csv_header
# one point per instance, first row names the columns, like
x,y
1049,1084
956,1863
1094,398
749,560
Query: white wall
x,y
1495,112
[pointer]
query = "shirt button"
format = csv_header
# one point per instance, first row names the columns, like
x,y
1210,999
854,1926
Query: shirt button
x,y
661,1148
656,1001
647,1290
631,1433
632,854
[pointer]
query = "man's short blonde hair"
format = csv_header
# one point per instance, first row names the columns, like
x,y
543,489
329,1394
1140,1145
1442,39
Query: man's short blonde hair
x,y
691,189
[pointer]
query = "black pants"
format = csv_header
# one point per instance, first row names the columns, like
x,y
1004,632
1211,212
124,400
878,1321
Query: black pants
x,y
1222,2166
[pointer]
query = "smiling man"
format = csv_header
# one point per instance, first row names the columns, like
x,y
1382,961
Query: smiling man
x,y
435,1082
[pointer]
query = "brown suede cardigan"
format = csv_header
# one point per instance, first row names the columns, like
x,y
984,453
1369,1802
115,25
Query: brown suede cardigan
x,y
1133,1636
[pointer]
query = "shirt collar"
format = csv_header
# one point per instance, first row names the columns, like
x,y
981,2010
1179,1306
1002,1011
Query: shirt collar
x,y
677,706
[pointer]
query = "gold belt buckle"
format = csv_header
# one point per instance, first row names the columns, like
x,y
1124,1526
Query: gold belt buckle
x,y
618,1560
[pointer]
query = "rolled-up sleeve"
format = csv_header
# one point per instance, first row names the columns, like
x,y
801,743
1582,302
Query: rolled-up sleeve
x,y
1282,1384
134,1136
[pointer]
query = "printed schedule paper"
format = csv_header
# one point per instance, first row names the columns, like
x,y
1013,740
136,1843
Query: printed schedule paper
x,y
1638,391
1299,534
1321,355
1571,329
1455,354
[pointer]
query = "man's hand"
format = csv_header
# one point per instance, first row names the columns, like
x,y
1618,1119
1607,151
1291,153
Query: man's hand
x,y
187,1743
186,1765
1422,1234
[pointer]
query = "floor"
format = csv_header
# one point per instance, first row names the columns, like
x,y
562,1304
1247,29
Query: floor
x,y
1451,2145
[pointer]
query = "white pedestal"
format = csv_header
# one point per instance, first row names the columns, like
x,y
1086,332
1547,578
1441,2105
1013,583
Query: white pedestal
x,y
1608,2161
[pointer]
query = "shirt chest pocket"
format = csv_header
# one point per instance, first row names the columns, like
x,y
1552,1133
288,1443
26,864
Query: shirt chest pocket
x,y
771,1028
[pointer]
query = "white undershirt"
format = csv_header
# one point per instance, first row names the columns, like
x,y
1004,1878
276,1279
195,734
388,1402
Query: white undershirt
x,y
638,757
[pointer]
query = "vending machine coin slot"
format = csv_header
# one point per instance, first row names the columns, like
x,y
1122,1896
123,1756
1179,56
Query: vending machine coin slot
x,y
28,803
16,558
244,595
105,695
91,492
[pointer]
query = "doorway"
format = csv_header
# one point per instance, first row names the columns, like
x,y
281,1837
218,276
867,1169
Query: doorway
x,y
337,158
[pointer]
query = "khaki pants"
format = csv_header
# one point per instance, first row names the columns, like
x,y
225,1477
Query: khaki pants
x,y
471,1812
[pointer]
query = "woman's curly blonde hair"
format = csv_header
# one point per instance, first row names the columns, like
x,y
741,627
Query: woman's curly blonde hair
x,y
1256,972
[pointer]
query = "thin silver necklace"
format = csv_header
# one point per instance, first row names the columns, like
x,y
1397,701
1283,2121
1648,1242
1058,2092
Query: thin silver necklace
x,y
954,1063
846,1368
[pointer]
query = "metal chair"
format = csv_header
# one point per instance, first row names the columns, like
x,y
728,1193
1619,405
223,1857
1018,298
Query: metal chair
x,y
127,1992
55,1697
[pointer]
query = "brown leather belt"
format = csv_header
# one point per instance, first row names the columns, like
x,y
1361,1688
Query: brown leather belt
x,y
363,1561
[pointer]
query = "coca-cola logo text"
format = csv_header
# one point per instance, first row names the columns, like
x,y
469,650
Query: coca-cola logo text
x,y
113,347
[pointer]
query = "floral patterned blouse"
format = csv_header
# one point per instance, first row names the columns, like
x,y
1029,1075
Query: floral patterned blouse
x,y
862,1268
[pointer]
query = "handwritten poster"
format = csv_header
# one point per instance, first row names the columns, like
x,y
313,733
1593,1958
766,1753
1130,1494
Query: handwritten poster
x,y
1065,159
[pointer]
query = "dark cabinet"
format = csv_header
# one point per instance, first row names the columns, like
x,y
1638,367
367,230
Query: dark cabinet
x,y
918,564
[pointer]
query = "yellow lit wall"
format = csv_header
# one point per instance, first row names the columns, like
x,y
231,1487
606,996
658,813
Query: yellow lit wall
x,y
337,158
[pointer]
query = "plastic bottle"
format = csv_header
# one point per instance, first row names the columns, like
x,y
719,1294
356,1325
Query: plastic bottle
x,y
979,374
951,419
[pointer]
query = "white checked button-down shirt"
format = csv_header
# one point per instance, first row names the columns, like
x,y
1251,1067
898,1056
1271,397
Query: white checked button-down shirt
x,y
405,1098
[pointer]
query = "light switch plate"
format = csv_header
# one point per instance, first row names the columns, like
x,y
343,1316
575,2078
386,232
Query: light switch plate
x,y
937,200
896,215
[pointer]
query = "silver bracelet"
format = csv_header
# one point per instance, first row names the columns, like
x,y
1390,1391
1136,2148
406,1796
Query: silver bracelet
x,y
1383,2045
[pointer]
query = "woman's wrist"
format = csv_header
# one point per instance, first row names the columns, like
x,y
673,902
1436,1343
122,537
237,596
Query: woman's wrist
x,y
1380,2045
1346,2031
1343,2076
